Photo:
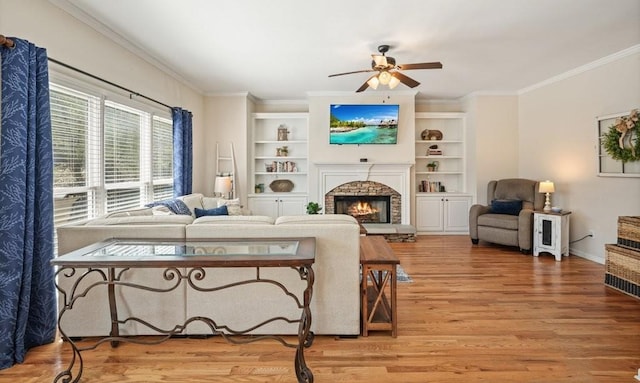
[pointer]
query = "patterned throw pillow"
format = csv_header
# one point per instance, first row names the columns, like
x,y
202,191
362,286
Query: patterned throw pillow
x,y
175,205
233,205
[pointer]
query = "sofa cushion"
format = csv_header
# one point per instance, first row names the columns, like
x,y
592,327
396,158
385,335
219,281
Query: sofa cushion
x,y
312,219
161,210
502,221
192,201
177,206
210,202
222,210
515,188
506,206
143,220
234,220
130,213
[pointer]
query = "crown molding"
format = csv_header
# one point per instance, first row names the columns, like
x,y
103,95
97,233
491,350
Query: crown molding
x,y
635,49
390,93
229,94
112,35
282,102
493,93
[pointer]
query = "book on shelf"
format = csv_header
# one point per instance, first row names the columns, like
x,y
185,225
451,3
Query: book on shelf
x,y
281,167
430,186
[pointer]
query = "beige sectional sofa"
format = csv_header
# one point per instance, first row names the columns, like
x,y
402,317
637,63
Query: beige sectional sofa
x,y
335,303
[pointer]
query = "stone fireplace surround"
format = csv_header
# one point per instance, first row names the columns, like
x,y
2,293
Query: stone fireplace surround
x,y
395,177
365,188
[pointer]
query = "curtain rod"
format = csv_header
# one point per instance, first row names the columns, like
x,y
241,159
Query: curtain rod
x,y
9,44
6,42
132,93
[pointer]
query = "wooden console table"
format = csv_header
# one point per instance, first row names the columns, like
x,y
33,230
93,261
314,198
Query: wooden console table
x,y
185,262
378,264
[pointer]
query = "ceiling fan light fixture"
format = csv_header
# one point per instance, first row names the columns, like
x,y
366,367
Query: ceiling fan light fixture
x,y
393,82
384,77
373,82
380,60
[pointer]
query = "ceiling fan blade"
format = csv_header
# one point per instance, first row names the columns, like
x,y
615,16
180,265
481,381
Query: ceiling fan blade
x,y
365,85
433,65
356,71
408,81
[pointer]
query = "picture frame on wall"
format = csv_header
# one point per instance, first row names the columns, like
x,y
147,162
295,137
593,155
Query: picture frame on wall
x,y
607,166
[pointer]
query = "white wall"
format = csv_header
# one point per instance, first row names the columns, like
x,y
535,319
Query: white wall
x,y
492,140
226,122
558,141
73,42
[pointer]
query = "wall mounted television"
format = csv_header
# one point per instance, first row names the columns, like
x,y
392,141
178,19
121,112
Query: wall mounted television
x,y
363,124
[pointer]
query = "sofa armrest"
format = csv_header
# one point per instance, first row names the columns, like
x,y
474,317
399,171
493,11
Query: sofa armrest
x,y
525,229
474,212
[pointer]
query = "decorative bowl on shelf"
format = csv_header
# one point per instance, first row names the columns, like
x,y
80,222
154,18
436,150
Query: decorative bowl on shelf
x,y
281,186
556,209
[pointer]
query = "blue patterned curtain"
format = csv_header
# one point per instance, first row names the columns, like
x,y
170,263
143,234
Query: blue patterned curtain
x,y
182,152
27,292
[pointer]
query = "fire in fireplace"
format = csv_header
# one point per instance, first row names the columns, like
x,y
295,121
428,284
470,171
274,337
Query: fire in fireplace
x,y
366,209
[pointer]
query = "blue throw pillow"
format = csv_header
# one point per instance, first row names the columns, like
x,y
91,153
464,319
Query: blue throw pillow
x,y
222,210
177,206
506,206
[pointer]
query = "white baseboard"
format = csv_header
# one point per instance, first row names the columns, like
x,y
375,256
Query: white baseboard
x,y
588,256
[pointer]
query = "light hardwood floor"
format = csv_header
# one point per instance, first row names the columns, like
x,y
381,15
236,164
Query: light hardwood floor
x,y
472,314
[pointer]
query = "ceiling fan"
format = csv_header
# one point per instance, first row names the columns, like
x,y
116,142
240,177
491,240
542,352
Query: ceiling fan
x,y
388,72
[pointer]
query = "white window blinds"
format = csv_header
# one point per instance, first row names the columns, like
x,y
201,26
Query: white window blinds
x,y
108,155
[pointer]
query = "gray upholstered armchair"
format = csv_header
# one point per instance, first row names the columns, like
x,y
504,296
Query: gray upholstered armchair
x,y
508,217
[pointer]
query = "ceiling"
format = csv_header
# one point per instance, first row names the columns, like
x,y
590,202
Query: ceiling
x,y
282,49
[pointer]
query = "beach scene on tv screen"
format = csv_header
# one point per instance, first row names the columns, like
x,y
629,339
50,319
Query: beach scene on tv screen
x,y
363,124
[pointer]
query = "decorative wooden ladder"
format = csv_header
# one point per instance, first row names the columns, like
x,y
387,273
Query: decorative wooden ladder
x,y
227,161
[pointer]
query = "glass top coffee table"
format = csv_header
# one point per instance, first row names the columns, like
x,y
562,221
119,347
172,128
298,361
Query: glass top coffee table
x,y
184,263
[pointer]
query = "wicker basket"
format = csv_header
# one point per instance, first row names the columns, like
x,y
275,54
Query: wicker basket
x,y
622,269
281,186
629,232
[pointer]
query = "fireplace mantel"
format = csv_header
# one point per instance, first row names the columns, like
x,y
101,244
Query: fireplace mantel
x,y
394,175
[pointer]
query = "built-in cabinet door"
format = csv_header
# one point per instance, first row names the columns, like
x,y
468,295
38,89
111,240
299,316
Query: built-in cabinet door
x,y
456,214
429,214
293,205
443,213
264,206
276,205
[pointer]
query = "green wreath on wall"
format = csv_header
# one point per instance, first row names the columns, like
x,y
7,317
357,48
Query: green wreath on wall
x,y
622,141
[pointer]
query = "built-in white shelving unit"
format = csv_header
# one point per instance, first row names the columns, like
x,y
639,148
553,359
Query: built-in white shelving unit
x,y
269,162
442,200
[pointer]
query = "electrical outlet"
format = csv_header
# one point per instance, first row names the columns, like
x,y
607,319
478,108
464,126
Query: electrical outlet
x,y
592,234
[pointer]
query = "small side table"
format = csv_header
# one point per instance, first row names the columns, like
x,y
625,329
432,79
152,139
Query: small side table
x,y
378,276
551,233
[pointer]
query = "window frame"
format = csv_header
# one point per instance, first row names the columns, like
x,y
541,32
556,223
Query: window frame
x,y
96,187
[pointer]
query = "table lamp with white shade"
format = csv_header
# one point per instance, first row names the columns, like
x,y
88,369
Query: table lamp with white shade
x,y
547,188
223,186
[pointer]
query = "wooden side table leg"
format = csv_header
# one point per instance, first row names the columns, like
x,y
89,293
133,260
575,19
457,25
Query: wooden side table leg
x,y
365,301
394,311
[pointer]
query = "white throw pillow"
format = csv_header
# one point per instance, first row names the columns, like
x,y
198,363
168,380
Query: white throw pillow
x,y
233,205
